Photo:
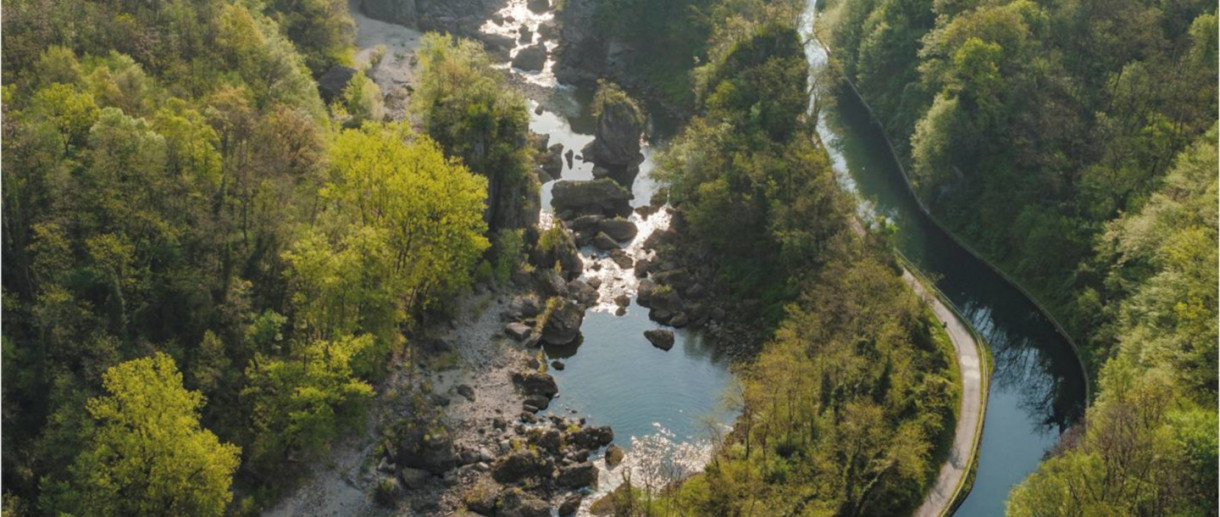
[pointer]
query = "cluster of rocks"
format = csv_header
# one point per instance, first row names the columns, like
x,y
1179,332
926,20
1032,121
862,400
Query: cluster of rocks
x,y
596,213
675,288
589,50
535,460
501,463
550,158
555,322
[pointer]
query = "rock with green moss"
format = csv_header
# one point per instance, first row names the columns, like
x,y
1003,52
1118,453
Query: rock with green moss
x,y
620,121
614,455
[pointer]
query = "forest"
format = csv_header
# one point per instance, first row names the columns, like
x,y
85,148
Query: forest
x,y
1073,143
847,406
216,270
207,266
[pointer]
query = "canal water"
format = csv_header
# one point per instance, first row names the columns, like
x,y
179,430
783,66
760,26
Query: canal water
x,y
1037,388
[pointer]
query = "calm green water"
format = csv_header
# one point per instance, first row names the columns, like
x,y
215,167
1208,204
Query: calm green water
x,y
1037,388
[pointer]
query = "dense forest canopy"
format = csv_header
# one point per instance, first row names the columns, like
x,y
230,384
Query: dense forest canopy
x,y
1073,143
195,242
845,409
209,268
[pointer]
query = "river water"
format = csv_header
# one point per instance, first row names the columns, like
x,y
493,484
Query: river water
x,y
664,406
1037,388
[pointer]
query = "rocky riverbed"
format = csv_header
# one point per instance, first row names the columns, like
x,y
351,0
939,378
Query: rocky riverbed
x,y
474,421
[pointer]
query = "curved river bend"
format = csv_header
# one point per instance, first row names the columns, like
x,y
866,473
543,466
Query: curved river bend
x,y
662,405
1037,388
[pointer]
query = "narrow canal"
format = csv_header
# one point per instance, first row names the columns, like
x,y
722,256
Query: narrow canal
x,y
1038,388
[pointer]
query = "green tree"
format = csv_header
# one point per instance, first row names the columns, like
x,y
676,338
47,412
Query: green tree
x,y
148,454
300,403
470,110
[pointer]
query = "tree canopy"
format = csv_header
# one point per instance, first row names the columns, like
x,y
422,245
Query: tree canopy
x,y
146,453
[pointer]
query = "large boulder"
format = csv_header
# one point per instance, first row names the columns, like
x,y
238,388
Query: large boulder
x,y
426,446
578,476
530,59
618,228
570,504
535,383
546,439
552,161
590,437
518,331
644,291
413,478
614,455
520,466
513,502
563,320
495,42
551,283
582,292
603,197
663,339
622,259
586,222
679,279
619,124
481,496
604,242
659,238
525,306
538,6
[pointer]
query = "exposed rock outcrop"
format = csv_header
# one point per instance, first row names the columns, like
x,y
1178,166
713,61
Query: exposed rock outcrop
x,y
427,446
663,339
618,229
577,476
515,503
530,59
563,320
601,197
620,121
534,383
558,246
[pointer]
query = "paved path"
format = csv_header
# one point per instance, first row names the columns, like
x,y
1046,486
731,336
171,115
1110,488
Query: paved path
x,y
965,437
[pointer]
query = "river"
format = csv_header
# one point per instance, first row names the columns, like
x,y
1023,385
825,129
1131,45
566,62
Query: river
x,y
1037,388
662,405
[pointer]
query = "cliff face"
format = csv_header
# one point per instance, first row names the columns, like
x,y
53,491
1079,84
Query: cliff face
x,y
581,55
589,51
